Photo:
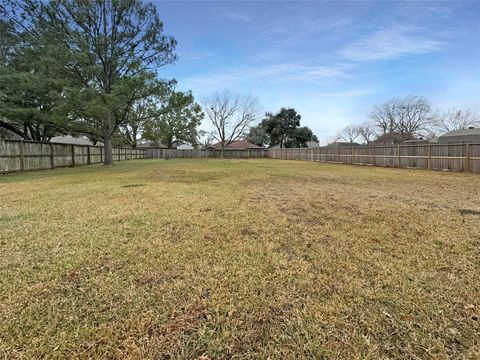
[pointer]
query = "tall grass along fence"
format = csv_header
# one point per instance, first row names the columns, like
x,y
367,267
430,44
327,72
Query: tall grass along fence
x,y
456,157
18,156
197,153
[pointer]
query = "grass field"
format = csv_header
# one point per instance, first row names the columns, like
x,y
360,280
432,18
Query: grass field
x,y
239,259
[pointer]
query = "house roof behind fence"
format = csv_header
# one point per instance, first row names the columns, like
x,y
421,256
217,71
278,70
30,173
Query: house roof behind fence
x,y
242,144
462,132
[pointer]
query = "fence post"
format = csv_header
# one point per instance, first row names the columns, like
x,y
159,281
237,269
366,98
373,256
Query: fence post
x,y
338,154
466,166
73,155
101,155
374,157
429,160
88,155
22,150
398,155
353,154
52,162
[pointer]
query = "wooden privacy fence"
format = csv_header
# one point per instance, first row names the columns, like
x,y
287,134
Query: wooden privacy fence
x,y
456,157
197,153
30,155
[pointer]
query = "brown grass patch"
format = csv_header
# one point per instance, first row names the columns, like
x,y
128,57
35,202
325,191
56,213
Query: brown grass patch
x,y
239,259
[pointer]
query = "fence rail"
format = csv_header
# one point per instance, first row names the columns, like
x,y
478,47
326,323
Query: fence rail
x,y
456,157
18,156
28,155
197,153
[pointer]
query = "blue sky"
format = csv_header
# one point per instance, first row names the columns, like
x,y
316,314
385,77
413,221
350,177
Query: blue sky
x,y
331,61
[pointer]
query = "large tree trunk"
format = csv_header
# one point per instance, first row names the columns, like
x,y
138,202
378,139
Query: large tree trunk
x,y
107,145
222,151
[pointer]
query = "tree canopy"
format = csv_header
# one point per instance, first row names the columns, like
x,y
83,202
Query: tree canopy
x,y
31,82
282,129
176,121
108,52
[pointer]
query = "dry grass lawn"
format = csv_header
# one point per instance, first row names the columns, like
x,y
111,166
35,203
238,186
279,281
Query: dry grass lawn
x,y
239,259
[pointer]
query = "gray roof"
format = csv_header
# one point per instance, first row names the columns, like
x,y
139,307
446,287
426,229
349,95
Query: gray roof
x,y
462,132
154,145
343,144
464,136
68,139
415,141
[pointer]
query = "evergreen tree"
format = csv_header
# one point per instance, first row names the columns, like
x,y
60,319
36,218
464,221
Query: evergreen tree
x,y
112,51
31,83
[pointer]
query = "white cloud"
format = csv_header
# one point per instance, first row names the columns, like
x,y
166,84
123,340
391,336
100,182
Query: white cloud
x,y
424,10
273,73
391,43
242,17
301,26
196,56
350,93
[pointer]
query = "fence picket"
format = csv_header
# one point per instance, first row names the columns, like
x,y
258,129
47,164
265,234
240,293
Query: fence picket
x,y
18,155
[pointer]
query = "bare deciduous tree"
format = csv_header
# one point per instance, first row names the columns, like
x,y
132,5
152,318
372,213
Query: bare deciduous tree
x,y
454,119
366,132
415,117
384,116
230,115
407,117
349,133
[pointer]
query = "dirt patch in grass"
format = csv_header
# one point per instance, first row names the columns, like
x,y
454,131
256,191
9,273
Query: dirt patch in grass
x,y
240,259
